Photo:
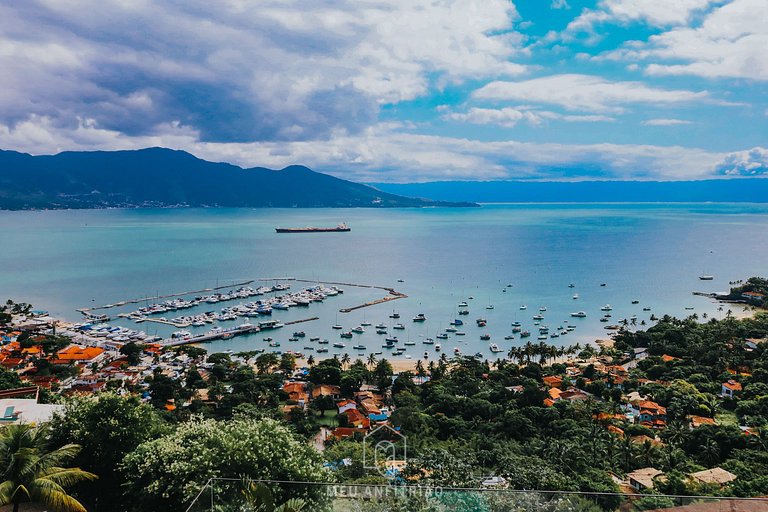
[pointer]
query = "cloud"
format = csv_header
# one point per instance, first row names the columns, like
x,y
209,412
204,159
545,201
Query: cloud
x,y
584,92
752,162
385,153
238,71
650,12
509,117
559,4
665,122
730,42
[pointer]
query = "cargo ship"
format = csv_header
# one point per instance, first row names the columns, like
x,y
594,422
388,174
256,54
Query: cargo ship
x,y
341,227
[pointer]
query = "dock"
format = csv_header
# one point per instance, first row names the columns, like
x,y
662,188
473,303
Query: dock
x,y
86,311
392,293
204,338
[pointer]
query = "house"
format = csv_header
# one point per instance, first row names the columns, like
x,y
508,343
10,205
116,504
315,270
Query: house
x,y
297,391
346,405
716,476
753,296
667,358
345,432
730,388
357,419
698,421
641,479
26,410
79,355
648,413
553,381
326,390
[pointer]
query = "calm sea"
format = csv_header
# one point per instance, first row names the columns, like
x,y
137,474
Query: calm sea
x,y
63,260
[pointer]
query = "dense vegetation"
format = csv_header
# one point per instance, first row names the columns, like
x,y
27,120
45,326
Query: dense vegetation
x,y
163,177
464,419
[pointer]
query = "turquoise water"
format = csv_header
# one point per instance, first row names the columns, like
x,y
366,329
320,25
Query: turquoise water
x,y
63,260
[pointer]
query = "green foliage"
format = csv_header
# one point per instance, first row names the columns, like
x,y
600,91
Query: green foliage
x,y
107,427
31,472
167,473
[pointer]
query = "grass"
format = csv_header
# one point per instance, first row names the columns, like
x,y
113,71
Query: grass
x,y
328,419
727,418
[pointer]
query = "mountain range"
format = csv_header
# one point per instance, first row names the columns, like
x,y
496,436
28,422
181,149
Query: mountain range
x,y
736,190
159,177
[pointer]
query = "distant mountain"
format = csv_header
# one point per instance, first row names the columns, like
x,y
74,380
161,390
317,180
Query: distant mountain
x,y
164,177
751,190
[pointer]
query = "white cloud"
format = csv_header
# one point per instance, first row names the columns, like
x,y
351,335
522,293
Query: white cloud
x,y
730,42
559,4
584,92
238,71
509,116
665,122
652,12
383,153
752,162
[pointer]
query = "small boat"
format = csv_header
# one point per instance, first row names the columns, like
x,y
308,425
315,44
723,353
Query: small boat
x,y
457,322
339,344
538,317
438,348
337,326
509,285
381,326
525,334
543,337
428,341
509,337
399,327
314,338
516,324
323,342
646,309
442,336
274,344
268,339
409,343
495,348
463,304
635,302
575,296
347,334
554,335
359,329
523,307
706,277
456,351
293,338
478,355
607,307
381,331
460,333
419,318
464,312
485,337
517,328
394,315
602,284
605,319
579,314
359,347
299,334
365,324
571,285
322,350
426,355
392,339
451,329
489,306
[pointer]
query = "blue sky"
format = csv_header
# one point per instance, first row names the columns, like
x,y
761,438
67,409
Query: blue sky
x,y
398,91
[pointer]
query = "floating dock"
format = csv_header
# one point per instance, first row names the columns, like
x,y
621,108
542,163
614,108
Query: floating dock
x,y
204,338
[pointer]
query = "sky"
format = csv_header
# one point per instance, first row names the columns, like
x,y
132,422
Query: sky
x,y
398,90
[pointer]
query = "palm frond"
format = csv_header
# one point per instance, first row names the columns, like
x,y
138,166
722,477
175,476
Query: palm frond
x,y
66,476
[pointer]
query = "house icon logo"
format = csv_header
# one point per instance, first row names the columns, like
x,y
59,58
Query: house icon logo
x,y
385,450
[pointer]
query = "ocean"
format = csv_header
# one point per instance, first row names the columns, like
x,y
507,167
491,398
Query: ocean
x,y
439,257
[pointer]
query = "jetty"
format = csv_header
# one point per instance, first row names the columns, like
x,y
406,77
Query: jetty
x,y
230,333
392,293
86,311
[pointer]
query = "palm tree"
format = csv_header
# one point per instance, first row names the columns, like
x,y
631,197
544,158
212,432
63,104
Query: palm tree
x,y
31,473
311,361
345,359
372,360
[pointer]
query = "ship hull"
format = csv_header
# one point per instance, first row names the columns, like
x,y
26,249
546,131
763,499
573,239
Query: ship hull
x,y
312,230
